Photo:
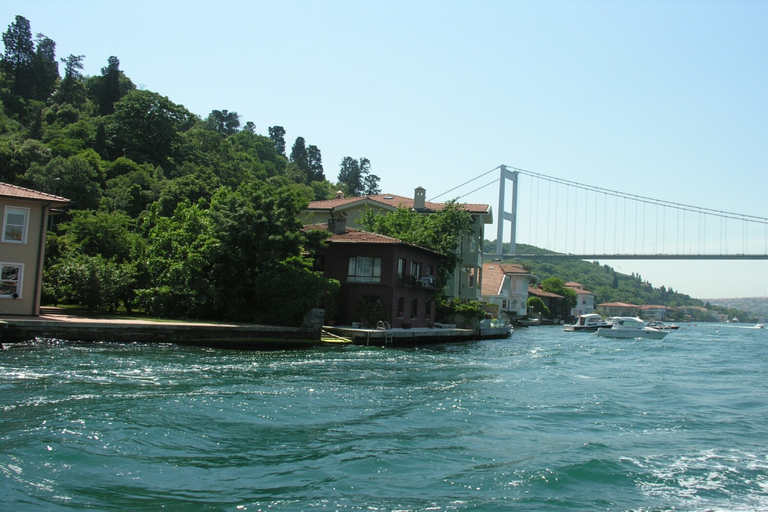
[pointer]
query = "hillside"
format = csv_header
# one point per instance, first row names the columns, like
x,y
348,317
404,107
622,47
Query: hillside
x,y
758,306
608,285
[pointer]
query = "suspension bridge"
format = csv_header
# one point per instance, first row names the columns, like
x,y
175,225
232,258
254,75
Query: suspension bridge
x,y
577,221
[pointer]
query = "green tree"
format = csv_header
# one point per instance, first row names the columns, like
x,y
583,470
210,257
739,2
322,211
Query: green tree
x,y
356,176
19,56
277,134
299,155
538,306
145,128
314,165
106,89
223,121
45,68
441,231
71,89
557,286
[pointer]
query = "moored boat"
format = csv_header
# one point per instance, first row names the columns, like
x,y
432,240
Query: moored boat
x,y
588,322
627,327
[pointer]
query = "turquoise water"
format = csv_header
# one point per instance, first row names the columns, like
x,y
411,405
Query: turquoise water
x,y
545,420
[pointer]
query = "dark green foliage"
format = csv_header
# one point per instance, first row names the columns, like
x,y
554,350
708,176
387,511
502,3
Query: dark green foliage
x,y
146,128
440,231
538,306
187,217
19,57
356,176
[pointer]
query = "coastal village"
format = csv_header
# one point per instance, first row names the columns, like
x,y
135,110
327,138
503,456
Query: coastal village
x,y
387,285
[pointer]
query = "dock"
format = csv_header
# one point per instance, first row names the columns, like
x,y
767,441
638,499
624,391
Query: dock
x,y
58,326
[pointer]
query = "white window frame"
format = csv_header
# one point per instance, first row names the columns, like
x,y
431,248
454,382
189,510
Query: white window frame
x,y
24,227
356,263
19,280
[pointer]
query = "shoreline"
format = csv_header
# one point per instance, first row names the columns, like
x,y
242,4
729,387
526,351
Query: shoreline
x,y
239,336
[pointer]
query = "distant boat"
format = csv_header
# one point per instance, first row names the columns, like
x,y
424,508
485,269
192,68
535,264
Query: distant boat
x,y
627,327
588,322
526,322
759,326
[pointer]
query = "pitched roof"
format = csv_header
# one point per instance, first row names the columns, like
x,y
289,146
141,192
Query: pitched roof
x,y
541,293
389,201
16,192
493,279
358,236
617,305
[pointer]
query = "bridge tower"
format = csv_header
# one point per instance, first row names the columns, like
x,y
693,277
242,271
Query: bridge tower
x,y
504,215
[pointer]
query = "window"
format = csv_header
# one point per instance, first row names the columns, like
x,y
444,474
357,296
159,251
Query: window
x,y
414,309
15,225
400,307
401,268
415,269
364,269
10,280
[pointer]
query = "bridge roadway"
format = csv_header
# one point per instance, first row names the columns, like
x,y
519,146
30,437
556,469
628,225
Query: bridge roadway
x,y
592,257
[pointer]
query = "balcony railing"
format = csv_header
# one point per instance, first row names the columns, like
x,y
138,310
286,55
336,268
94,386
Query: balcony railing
x,y
418,281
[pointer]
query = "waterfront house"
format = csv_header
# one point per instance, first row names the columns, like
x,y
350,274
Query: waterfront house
x,y
373,268
467,278
506,285
585,300
609,309
555,302
653,312
22,247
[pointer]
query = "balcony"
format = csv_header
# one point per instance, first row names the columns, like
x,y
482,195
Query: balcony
x,y
429,282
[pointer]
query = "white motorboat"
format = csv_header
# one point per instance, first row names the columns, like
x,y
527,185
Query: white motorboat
x,y
588,322
628,327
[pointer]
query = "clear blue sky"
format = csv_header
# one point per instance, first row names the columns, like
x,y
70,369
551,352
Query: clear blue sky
x,y
666,98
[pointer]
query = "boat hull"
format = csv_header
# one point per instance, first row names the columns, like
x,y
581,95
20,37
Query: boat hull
x,y
630,333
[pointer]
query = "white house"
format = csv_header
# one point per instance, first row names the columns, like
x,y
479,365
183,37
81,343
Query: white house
x,y
585,300
506,285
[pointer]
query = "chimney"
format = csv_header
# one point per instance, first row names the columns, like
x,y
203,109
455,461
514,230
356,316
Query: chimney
x,y
337,226
419,198
339,194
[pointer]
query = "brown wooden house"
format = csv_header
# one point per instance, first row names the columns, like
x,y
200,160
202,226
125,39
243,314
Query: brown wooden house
x,y
376,269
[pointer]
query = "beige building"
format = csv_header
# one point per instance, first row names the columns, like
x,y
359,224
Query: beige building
x,y
22,247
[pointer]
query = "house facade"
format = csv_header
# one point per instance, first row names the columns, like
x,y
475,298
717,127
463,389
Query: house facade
x,y
374,268
22,247
653,312
609,309
585,300
468,276
506,285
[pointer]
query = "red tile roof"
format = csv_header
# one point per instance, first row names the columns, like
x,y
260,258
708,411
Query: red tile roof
x,y
617,305
16,192
358,236
388,200
541,293
493,277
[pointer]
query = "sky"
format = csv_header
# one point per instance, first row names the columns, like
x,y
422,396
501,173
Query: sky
x,y
664,99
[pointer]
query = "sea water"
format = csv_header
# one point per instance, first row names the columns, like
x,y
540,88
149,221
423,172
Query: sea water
x,y
544,420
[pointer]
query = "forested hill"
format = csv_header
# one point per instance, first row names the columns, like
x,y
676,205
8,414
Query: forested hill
x,y
607,284
178,214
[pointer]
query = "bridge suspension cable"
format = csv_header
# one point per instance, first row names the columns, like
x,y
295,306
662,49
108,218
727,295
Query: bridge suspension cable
x,y
648,224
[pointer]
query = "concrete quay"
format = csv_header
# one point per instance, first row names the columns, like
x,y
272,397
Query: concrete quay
x,y
219,335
